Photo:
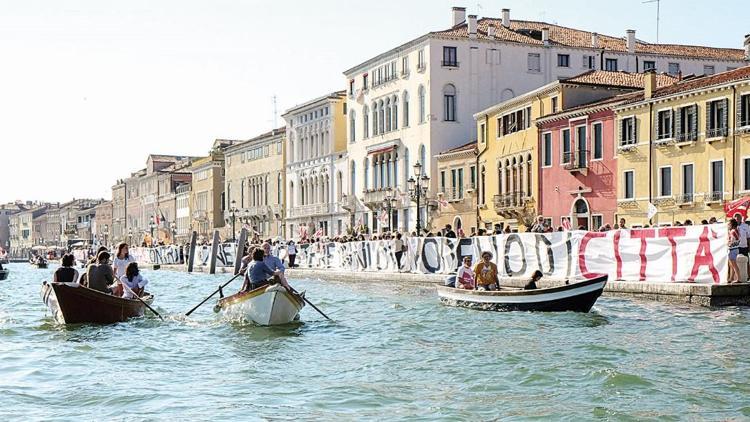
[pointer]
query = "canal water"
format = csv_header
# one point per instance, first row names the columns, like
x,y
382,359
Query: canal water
x,y
393,353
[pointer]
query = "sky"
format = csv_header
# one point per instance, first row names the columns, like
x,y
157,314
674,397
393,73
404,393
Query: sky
x,y
89,88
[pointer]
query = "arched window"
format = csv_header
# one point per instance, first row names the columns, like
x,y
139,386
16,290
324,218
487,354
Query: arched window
x,y
422,105
423,159
407,170
388,115
352,177
406,109
365,123
449,103
528,175
339,185
581,207
265,192
352,126
302,187
375,119
324,143
291,149
394,113
381,117
367,173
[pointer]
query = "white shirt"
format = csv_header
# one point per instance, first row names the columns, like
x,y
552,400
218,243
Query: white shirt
x,y
138,281
744,230
119,265
291,249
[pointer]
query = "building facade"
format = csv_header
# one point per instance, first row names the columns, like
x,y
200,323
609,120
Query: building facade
x,y
102,224
206,199
316,167
118,229
457,189
6,211
254,185
22,229
410,103
684,148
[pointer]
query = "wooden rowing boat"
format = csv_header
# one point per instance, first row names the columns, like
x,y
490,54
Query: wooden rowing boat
x,y
266,305
73,303
40,264
577,297
4,274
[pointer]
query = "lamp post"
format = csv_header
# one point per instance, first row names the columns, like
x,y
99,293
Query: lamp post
x,y
389,203
418,186
130,235
152,226
233,215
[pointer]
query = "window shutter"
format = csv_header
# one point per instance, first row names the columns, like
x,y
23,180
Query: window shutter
x,y
671,123
678,122
709,104
635,130
499,127
694,127
585,61
724,116
738,110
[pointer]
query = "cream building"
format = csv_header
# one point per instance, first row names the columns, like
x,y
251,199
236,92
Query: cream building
x,y
254,185
204,205
316,166
411,102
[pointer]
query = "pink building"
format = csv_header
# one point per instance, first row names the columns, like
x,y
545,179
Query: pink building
x,y
578,165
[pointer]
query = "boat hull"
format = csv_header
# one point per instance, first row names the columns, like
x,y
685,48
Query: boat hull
x,y
40,265
72,303
577,297
267,305
4,274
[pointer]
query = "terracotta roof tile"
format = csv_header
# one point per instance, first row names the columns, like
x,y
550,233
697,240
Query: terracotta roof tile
x,y
697,83
529,32
465,147
619,79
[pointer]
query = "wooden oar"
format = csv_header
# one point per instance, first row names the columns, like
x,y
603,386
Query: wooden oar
x,y
291,289
142,301
212,294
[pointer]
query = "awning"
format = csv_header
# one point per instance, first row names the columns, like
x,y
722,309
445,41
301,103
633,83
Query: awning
x,y
382,150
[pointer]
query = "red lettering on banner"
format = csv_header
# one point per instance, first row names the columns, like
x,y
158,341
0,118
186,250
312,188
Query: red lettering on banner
x,y
618,258
703,257
670,233
643,235
582,254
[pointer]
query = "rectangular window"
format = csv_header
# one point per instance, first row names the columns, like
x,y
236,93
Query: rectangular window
x,y
405,65
589,62
450,107
454,185
563,60
364,85
460,183
744,110
674,68
665,181
351,87
598,146
554,104
649,65
482,137
664,124
473,177
629,184
450,57
746,174
717,180
597,222
716,125
708,69
687,183
534,62
547,149
627,128
687,123
420,60
492,56
565,136
442,181
610,64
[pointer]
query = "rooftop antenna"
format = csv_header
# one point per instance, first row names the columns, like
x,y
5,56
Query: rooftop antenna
x,y
658,4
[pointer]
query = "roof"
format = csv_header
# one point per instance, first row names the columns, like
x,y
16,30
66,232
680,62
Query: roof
x,y
275,132
465,147
619,79
742,73
590,107
529,32
333,96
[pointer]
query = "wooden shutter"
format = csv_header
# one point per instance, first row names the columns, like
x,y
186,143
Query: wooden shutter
x,y
678,123
724,104
671,124
619,131
709,104
694,120
738,110
635,129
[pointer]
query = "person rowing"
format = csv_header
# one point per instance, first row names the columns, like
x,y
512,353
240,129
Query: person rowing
x,y
274,263
258,274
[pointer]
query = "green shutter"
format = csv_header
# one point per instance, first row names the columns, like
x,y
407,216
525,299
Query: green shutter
x,y
619,131
678,123
724,116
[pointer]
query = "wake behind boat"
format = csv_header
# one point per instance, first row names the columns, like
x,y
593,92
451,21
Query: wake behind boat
x,y
266,305
577,297
72,303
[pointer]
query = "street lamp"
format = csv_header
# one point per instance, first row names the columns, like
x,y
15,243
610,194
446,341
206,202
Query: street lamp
x,y
152,226
418,186
389,203
233,215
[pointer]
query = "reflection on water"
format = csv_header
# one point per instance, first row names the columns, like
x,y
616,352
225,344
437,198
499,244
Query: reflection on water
x,y
393,352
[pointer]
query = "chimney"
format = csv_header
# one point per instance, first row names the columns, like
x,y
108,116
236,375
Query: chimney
x,y
545,35
747,47
459,15
506,18
630,35
594,40
649,84
472,26
491,31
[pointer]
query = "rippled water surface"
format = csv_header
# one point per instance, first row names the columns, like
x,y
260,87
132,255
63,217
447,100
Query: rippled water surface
x,y
393,353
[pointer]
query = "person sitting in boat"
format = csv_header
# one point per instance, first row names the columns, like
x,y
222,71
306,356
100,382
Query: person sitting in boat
x,y
274,263
465,275
531,285
258,274
133,282
486,273
121,261
66,273
99,275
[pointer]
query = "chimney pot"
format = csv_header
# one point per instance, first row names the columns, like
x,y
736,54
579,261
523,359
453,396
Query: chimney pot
x,y
491,31
649,84
458,15
747,47
506,18
630,40
594,40
472,26
545,35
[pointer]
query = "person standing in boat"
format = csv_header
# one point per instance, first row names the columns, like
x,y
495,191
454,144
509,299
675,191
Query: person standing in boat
x,y
121,261
258,274
66,273
486,273
99,275
133,282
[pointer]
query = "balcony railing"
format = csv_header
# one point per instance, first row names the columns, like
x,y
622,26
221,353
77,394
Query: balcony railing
x,y
509,201
377,196
450,63
309,210
718,132
349,202
686,136
685,198
576,160
712,197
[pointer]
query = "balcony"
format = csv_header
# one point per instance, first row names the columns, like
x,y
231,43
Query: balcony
x,y
348,202
374,198
309,210
664,139
576,161
627,145
716,133
509,203
200,215
449,63
686,137
685,199
714,197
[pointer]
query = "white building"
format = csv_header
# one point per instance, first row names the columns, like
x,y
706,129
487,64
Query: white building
x,y
316,167
416,100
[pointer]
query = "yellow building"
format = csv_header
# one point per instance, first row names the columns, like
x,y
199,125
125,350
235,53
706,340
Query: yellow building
x,y
685,148
457,189
508,140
